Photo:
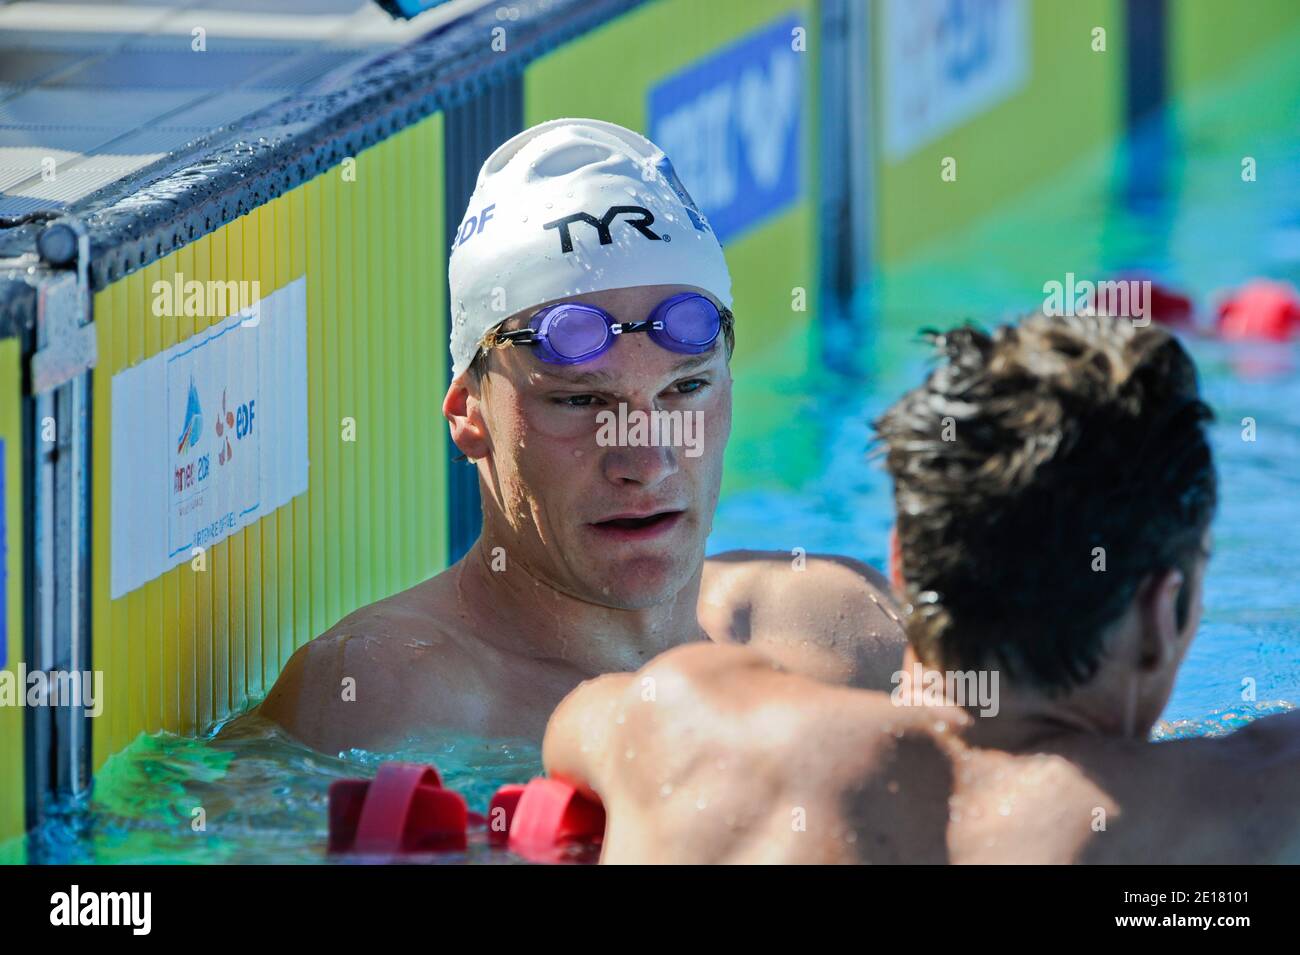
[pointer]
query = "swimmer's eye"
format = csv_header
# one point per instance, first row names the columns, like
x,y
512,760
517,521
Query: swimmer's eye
x,y
687,386
691,386
576,401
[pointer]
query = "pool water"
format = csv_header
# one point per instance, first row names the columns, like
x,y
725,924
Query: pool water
x,y
264,798
1169,202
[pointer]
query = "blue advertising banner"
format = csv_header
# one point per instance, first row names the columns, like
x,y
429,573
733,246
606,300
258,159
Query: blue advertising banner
x,y
731,125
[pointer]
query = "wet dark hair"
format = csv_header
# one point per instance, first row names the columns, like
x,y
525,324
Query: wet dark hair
x,y
1022,452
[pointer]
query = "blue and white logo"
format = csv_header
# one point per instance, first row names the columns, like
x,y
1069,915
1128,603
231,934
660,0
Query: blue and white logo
x,y
731,125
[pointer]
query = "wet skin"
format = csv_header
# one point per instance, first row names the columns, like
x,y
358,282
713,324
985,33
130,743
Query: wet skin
x,y
733,760
590,561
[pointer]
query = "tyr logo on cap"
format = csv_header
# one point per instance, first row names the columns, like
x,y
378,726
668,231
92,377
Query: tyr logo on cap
x,y
602,224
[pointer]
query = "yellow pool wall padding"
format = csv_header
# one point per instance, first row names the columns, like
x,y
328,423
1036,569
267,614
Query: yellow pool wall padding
x,y
192,647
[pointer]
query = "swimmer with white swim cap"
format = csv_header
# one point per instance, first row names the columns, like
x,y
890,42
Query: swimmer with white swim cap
x,y
590,305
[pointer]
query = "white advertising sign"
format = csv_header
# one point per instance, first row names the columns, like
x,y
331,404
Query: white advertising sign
x,y
208,436
946,61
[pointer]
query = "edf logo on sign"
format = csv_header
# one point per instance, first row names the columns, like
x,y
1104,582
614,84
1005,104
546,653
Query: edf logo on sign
x,y
730,124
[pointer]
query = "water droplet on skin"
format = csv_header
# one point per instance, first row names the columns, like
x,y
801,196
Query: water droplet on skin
x,y
940,726
666,790
630,754
701,803
577,452
1004,809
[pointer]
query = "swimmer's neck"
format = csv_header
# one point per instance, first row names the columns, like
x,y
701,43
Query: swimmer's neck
x,y
521,612
1026,719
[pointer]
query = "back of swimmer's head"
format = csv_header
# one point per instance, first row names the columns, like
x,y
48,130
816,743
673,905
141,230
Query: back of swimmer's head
x,y
568,208
1026,457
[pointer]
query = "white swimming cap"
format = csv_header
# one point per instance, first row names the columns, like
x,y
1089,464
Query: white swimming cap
x,y
568,207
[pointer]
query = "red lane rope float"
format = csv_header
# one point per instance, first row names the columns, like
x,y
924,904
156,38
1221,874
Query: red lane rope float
x,y
1260,310
1170,307
543,818
403,809
1165,305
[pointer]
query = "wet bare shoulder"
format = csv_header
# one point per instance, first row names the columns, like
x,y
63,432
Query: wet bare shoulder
x,y
830,617
368,676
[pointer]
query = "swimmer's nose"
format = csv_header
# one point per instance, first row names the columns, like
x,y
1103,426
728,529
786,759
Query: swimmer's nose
x,y
642,466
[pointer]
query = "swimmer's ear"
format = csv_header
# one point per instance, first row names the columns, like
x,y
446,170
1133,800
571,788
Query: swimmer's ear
x,y
465,419
1160,637
895,562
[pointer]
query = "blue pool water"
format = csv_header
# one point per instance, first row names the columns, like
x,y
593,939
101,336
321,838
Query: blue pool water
x,y
1250,635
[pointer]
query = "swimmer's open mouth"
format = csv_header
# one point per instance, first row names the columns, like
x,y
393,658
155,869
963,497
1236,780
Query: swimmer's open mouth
x,y
638,526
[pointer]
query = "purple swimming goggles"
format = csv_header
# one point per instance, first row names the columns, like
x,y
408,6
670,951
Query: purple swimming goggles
x,y
570,333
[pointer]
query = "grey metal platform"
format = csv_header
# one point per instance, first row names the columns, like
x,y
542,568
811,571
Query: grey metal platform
x,y
93,92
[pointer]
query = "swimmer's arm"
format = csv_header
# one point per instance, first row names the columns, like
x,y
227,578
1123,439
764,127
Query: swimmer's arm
x,y
650,714
709,779
828,617
583,731
659,712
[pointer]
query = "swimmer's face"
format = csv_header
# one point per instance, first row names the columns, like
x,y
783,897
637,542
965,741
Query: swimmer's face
x,y
610,504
